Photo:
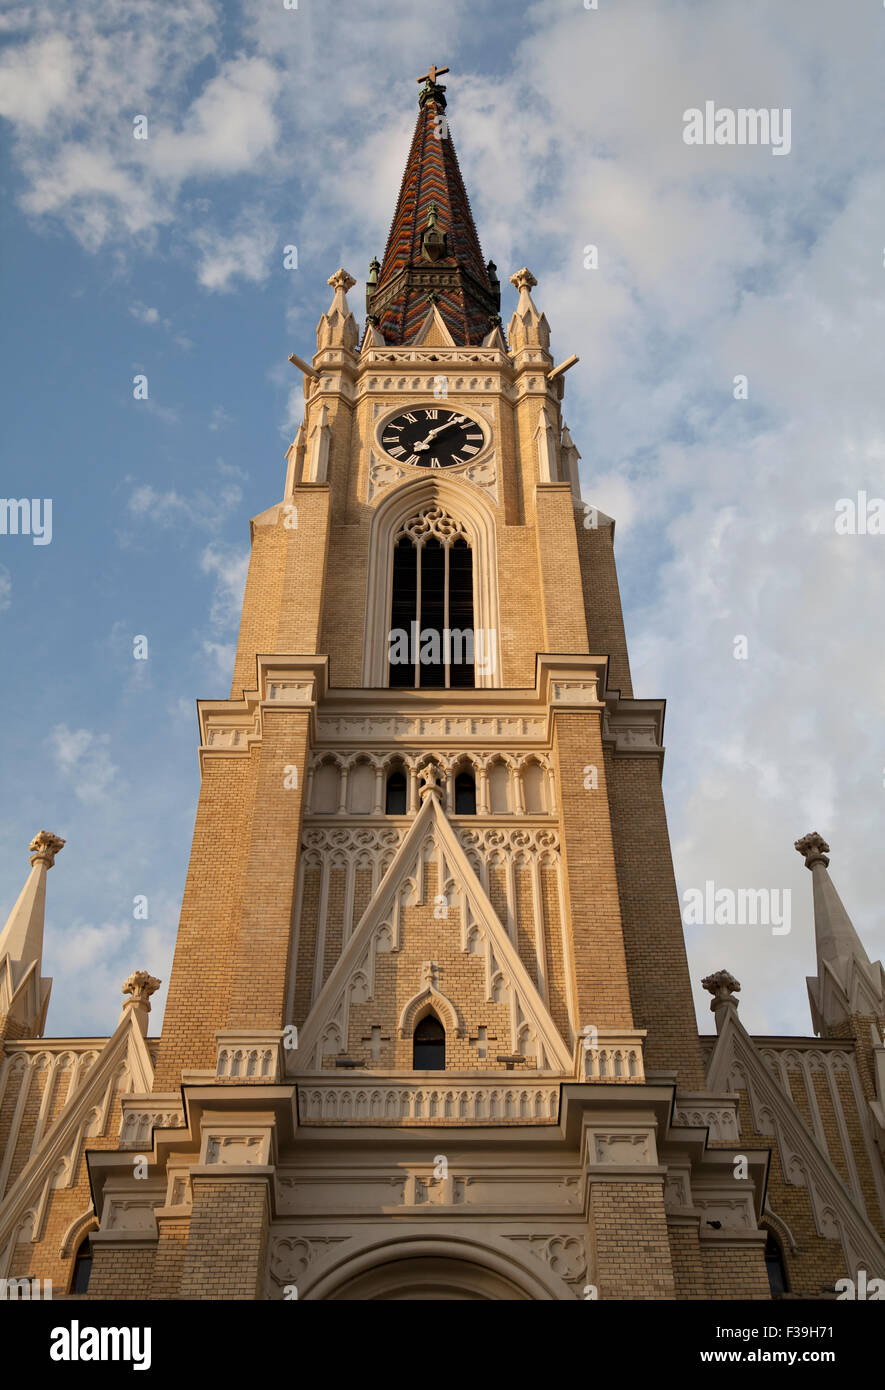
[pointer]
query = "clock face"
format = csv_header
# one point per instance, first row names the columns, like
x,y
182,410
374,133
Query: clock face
x,y
432,438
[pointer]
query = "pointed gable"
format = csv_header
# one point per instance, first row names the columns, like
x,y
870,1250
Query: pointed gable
x,y
430,940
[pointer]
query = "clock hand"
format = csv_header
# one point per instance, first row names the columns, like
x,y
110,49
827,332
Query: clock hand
x,y
425,443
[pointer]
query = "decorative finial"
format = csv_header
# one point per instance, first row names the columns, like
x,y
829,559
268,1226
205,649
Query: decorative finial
x,y
431,782
431,75
140,986
44,847
432,90
723,986
341,280
815,849
523,280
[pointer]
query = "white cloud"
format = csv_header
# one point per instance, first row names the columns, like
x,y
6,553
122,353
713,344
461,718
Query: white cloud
x,y
229,565
173,509
242,253
36,79
82,758
220,657
143,314
227,128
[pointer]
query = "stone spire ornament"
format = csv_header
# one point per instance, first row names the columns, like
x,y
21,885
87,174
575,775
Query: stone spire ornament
x,y
723,987
139,986
848,984
24,995
527,327
337,326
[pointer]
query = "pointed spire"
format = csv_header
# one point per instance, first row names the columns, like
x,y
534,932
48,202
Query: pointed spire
x,y
570,459
433,247
337,326
847,982
527,328
24,995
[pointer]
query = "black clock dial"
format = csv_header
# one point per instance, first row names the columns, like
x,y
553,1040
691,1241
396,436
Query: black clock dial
x,y
429,437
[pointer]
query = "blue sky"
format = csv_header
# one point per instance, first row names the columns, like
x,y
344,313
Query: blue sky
x,y
163,257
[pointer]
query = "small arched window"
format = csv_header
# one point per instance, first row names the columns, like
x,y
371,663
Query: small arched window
x,y
774,1264
395,797
465,794
499,788
361,789
82,1267
429,1045
324,801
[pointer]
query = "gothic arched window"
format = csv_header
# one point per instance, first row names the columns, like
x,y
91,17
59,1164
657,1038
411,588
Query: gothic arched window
x,y
431,637
465,794
395,796
774,1264
429,1045
82,1267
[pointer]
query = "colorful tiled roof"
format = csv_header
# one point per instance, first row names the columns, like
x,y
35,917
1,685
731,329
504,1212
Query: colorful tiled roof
x,y
433,253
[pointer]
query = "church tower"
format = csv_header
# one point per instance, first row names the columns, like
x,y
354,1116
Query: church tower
x,y
430,963
429,1029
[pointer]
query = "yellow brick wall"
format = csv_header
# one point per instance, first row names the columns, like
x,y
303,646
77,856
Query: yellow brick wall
x,y
603,996
654,943
227,1243
631,1250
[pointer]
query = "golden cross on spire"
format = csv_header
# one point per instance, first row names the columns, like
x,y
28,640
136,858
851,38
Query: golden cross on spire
x,y
432,74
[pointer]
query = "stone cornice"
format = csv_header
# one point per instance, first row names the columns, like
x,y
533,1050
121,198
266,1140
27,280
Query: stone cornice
x,y
229,728
359,716
634,728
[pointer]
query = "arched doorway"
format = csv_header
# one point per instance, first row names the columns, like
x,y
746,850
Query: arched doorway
x,y
427,1266
430,1279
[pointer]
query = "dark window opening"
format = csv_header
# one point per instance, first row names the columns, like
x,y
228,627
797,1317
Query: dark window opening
x,y
433,615
429,1045
82,1267
461,673
465,794
403,608
774,1264
431,643
395,799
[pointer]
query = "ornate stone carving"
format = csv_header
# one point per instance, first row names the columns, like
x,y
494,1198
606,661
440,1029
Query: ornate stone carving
x,y
565,1256
341,280
44,847
291,1255
432,522
575,692
722,985
291,692
621,1149
398,1102
815,849
523,280
140,985
234,1149
382,473
484,475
